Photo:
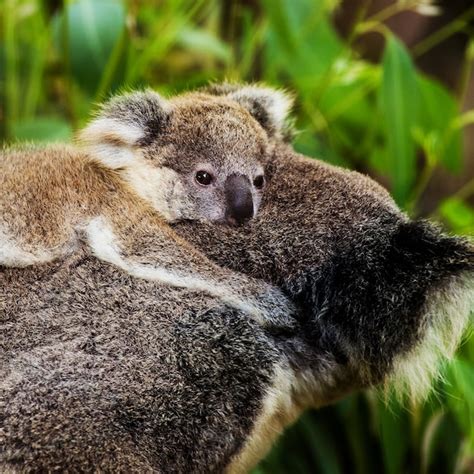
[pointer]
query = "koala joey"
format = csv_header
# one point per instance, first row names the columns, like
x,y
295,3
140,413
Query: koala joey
x,y
142,163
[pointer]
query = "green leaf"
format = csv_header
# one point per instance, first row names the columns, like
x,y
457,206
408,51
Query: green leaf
x,y
86,33
461,401
378,160
440,442
324,450
399,106
301,42
429,438
203,41
309,145
354,415
42,129
458,215
438,111
393,428
346,96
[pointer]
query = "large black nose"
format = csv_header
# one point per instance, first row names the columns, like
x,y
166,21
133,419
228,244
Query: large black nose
x,y
238,193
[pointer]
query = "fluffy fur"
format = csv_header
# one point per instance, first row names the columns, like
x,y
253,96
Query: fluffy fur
x,y
145,384
102,371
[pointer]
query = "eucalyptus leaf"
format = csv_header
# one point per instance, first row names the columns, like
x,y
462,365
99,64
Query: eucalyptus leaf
x,y
399,101
458,215
86,33
301,41
203,41
461,376
392,425
434,98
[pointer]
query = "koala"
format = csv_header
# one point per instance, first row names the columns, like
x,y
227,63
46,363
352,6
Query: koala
x,y
103,371
141,164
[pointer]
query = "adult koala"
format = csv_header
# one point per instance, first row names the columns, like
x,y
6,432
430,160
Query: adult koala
x,y
104,372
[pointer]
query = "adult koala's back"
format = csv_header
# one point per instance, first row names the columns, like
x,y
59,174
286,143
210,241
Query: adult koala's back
x,y
104,372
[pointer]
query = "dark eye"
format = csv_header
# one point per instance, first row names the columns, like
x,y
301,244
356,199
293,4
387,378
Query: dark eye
x,y
204,178
259,181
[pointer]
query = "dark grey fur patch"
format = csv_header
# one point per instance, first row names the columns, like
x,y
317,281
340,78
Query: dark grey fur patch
x,y
368,300
142,378
258,110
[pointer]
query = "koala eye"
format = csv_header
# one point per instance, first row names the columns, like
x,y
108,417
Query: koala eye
x,y
204,178
259,181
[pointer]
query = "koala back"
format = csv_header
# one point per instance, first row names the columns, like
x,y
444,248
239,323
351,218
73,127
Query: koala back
x,y
103,371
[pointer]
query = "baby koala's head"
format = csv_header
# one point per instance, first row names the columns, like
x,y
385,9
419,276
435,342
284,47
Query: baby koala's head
x,y
198,156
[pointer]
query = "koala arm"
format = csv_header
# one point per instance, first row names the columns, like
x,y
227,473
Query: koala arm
x,y
133,237
384,297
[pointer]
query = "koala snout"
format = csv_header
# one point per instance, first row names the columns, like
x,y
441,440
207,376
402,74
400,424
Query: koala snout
x,y
239,200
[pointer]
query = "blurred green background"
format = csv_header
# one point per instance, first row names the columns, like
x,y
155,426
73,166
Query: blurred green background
x,y
381,86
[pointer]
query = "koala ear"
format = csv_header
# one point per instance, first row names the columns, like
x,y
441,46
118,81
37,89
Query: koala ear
x,y
124,124
398,302
270,107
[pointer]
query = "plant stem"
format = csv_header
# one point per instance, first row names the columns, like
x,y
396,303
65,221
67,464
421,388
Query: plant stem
x,y
466,191
359,18
466,72
423,182
373,26
70,99
38,61
392,10
443,33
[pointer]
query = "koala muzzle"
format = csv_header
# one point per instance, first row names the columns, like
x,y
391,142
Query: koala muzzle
x,y
238,193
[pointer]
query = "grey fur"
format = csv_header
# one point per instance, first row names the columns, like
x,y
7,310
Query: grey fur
x,y
104,372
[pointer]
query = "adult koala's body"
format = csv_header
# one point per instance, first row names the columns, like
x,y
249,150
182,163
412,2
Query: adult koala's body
x,y
102,371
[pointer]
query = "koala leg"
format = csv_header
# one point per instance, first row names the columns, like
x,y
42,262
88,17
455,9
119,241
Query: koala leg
x,y
145,246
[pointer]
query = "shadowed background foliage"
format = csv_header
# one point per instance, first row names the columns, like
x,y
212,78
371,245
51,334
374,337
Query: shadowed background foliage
x,y
381,86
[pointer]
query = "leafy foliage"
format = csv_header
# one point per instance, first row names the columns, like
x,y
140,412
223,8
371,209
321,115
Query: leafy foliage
x,y
388,120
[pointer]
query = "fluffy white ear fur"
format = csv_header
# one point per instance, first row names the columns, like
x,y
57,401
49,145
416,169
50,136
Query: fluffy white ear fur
x,y
111,142
114,136
447,312
276,103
